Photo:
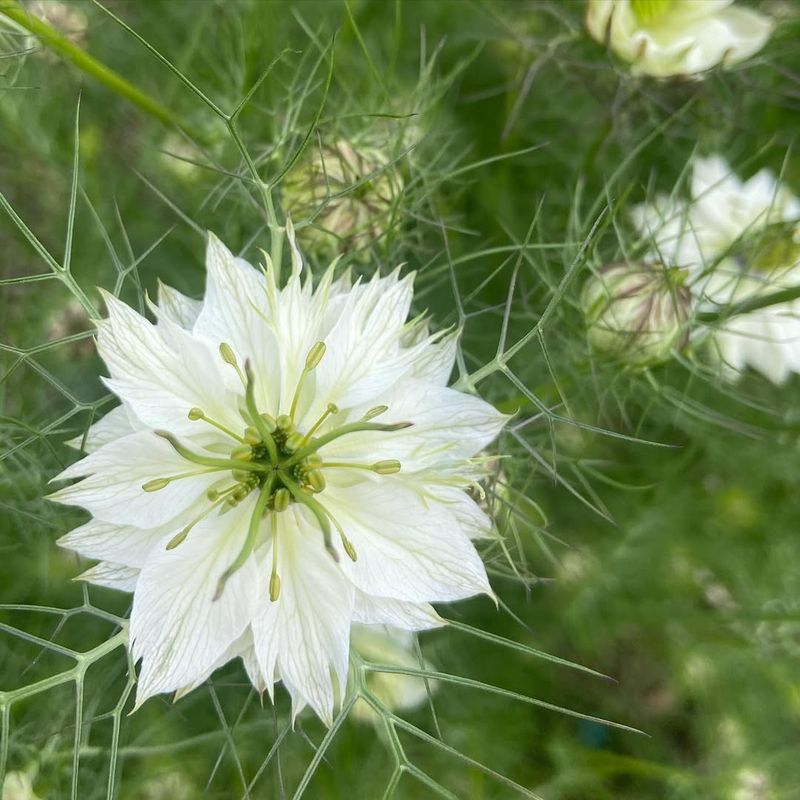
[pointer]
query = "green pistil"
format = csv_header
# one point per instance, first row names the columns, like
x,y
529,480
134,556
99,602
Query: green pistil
x,y
208,461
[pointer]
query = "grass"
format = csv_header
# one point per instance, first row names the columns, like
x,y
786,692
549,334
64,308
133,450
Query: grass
x,y
647,520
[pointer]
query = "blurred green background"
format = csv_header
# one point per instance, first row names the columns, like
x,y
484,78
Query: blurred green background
x,y
648,521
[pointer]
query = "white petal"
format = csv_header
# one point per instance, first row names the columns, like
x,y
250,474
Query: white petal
x,y
371,610
236,312
447,424
112,576
161,372
364,357
305,633
406,550
178,629
176,307
114,425
123,544
116,472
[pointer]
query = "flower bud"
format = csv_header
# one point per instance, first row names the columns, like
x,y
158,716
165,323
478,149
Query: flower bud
x,y
637,312
347,191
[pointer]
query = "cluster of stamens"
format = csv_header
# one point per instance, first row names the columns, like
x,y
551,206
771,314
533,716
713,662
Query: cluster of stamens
x,y
276,460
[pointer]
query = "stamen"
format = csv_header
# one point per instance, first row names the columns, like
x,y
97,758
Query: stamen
x,y
229,357
181,536
198,414
353,427
243,453
331,409
281,499
316,480
250,539
160,483
155,484
274,578
251,435
389,467
257,419
293,442
313,358
375,412
207,461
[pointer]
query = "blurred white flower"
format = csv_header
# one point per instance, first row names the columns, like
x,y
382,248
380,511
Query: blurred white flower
x,y
637,312
347,190
391,647
752,784
284,462
664,38
18,786
739,240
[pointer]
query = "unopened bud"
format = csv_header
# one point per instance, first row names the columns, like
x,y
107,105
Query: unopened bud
x,y
637,312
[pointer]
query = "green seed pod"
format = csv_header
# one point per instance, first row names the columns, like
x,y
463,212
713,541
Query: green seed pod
x,y
637,312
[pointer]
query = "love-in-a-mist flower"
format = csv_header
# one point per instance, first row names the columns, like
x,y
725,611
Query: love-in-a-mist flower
x,y
637,312
284,462
663,38
347,191
739,240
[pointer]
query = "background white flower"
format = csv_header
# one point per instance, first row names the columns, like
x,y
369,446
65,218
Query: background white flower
x,y
283,462
738,240
663,38
388,646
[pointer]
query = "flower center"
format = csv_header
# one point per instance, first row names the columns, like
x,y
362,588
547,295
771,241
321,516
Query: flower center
x,y
648,12
278,462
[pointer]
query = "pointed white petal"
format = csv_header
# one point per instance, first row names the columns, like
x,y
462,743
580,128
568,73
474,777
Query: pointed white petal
x,y
114,425
447,424
113,489
176,307
123,544
236,312
178,630
162,371
406,550
112,576
305,633
371,610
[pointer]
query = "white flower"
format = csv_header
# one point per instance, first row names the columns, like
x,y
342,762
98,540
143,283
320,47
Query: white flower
x,y
663,38
637,312
388,646
283,462
18,786
739,241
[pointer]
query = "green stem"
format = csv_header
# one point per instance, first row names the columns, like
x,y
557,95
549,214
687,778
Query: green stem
x,y
55,41
751,304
